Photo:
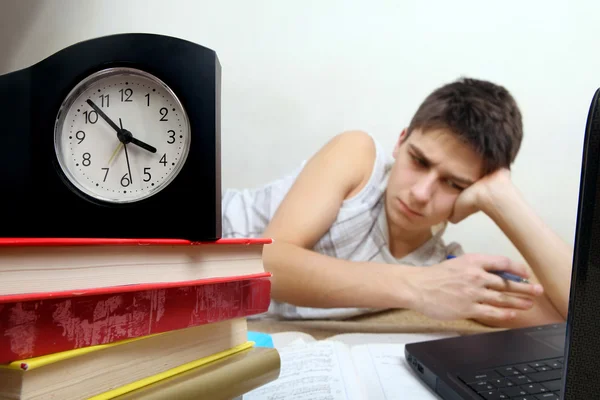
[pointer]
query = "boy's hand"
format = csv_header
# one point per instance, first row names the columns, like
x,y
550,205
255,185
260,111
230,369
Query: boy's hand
x,y
479,196
464,288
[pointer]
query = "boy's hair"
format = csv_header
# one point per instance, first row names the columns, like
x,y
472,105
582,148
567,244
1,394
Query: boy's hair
x,y
480,113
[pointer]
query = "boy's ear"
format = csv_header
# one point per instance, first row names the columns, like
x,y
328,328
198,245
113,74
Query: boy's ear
x,y
401,139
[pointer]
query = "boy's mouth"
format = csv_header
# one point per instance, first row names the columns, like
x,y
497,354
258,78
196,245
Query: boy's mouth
x,y
407,210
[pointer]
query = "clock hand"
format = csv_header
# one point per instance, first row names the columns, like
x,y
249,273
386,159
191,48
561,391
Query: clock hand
x,y
127,137
126,154
118,147
128,168
143,145
104,116
123,134
115,152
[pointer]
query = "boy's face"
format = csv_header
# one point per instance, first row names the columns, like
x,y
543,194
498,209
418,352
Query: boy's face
x,y
430,172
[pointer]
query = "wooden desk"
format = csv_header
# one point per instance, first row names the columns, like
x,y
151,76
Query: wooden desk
x,y
391,321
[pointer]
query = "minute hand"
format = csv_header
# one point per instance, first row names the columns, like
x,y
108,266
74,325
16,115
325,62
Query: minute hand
x,y
104,116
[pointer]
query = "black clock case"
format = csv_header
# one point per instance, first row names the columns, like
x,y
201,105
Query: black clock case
x,y
37,200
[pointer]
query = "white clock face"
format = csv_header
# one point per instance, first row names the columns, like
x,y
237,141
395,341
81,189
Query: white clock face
x,y
121,135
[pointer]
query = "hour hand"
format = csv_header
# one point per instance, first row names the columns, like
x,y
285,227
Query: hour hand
x,y
143,145
104,116
126,137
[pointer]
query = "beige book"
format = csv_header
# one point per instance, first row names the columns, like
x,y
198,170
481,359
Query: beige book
x,y
90,371
25,269
223,379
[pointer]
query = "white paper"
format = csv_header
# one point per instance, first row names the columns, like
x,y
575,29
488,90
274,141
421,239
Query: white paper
x,y
386,375
312,371
283,339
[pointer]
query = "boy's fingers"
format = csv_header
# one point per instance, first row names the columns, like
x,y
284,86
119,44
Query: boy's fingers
x,y
501,299
490,312
529,289
504,264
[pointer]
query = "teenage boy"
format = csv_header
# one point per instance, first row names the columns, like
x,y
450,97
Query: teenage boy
x,y
356,230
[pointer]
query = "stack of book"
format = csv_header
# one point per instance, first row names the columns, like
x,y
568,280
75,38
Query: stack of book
x,y
112,318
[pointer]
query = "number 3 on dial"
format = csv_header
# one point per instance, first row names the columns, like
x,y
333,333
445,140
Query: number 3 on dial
x,y
121,135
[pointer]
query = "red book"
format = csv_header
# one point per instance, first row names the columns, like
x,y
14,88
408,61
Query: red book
x,y
46,323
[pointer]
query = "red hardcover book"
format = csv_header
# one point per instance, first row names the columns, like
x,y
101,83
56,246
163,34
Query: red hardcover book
x,y
46,323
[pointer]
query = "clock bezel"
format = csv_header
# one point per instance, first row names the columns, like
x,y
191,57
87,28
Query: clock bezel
x,y
68,101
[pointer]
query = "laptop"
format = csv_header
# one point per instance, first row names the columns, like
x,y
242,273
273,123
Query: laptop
x,y
558,361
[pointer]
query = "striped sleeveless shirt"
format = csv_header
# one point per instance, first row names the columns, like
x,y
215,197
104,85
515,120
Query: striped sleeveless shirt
x,y
359,232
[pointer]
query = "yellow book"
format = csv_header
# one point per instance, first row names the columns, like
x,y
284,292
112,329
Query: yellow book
x,y
41,361
222,379
172,372
96,370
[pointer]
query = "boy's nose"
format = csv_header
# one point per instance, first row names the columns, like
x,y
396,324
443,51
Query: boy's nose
x,y
423,189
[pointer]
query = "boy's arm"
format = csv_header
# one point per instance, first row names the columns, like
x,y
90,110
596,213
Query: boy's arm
x,y
303,277
548,256
455,289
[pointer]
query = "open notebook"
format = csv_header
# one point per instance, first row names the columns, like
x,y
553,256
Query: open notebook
x,y
345,367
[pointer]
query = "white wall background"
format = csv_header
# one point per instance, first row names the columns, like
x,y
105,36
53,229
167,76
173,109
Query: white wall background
x,y
297,72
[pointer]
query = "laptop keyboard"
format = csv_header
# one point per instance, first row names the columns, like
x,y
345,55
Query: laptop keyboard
x,y
539,380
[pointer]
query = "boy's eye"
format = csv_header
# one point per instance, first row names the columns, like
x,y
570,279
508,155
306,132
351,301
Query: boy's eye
x,y
419,160
454,185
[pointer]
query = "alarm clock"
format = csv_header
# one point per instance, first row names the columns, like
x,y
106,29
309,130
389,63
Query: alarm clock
x,y
113,137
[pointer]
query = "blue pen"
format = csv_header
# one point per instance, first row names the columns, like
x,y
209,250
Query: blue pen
x,y
504,275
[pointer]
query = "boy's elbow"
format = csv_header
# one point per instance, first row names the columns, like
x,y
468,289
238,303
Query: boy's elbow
x,y
270,256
